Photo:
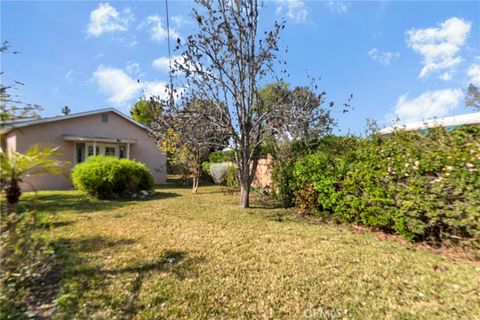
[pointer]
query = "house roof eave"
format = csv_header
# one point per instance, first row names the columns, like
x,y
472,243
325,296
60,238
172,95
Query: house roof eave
x,y
8,126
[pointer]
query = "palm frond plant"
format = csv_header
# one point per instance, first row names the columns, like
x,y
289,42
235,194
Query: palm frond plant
x,y
15,166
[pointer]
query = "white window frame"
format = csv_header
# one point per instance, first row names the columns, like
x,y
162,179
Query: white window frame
x,y
101,149
109,145
94,147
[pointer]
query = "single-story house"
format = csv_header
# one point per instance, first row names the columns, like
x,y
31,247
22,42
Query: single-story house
x,y
80,135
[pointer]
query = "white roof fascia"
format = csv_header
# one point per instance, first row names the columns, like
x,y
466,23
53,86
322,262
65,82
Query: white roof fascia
x,y
98,139
464,119
12,125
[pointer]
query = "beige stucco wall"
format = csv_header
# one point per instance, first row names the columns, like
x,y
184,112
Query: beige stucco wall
x,y
52,133
10,141
263,175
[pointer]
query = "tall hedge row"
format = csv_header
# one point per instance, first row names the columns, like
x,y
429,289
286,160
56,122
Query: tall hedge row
x,y
422,185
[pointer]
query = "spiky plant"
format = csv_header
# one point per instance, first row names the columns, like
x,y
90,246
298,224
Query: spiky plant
x,y
15,166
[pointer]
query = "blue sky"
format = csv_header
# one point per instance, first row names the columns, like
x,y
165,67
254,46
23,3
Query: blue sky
x,y
408,59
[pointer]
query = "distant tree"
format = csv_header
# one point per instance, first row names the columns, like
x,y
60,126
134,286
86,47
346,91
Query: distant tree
x,y
300,116
11,105
297,114
186,134
472,98
145,111
300,119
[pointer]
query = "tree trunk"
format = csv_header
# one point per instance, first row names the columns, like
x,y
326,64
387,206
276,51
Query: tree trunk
x,y
196,178
12,193
195,184
245,196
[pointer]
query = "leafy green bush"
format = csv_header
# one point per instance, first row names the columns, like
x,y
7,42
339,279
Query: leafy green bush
x,y
231,179
206,167
206,176
282,182
221,156
288,185
110,178
422,185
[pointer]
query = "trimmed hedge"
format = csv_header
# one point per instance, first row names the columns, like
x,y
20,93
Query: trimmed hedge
x,y
111,178
422,185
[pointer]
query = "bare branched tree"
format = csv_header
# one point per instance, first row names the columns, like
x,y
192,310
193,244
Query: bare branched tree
x,y
226,62
186,134
299,115
11,105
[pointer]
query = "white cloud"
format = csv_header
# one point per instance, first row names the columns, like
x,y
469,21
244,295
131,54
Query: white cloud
x,y
180,21
474,74
439,46
428,105
131,43
162,63
98,55
70,76
122,88
338,6
132,68
105,19
384,57
294,10
157,31
446,76
117,84
156,88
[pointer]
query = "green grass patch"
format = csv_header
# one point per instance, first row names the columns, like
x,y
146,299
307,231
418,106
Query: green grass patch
x,y
180,255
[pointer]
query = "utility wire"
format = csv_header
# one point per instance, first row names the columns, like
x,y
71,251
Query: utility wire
x,y
169,54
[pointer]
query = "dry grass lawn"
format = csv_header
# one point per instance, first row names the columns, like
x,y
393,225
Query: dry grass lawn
x,y
188,256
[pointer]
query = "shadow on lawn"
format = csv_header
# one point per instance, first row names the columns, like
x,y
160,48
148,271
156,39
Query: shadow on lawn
x,y
223,190
162,195
82,277
177,183
54,224
80,202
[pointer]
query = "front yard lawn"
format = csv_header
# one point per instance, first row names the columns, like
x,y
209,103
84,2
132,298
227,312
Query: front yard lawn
x,y
200,256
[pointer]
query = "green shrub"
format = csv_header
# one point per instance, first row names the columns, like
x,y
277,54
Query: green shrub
x,y
422,185
221,156
206,167
231,179
282,182
110,178
206,176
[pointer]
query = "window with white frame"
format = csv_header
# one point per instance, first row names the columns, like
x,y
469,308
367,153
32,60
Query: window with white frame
x,y
122,152
79,152
110,151
92,152
88,149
